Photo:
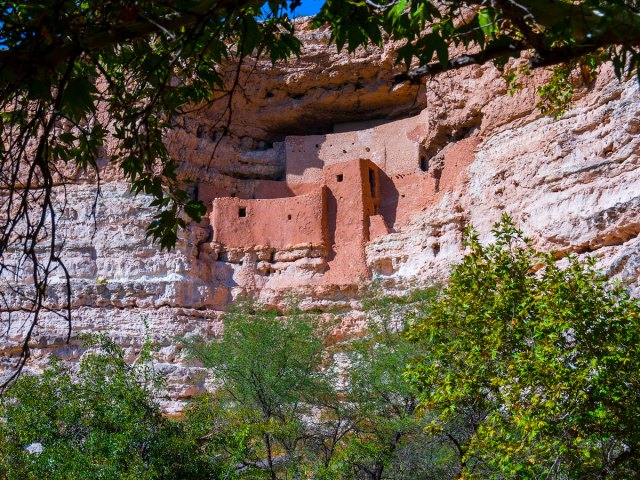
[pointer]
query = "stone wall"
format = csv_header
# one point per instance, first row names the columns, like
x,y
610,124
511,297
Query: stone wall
x,y
351,203
454,151
393,146
275,224
333,220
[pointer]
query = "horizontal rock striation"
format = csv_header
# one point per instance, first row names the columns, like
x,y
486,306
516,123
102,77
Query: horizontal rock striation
x,y
456,151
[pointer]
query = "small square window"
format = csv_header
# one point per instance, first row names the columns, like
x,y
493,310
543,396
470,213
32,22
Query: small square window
x,y
339,177
289,217
242,212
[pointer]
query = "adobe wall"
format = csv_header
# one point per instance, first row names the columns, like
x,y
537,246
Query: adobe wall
x,y
407,182
393,146
354,195
273,223
405,196
410,181
243,188
409,173
335,215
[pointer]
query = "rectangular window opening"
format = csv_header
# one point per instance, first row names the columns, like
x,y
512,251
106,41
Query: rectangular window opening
x,y
242,212
424,164
289,217
372,182
339,177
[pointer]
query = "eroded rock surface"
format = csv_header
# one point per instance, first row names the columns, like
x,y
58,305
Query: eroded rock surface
x,y
452,152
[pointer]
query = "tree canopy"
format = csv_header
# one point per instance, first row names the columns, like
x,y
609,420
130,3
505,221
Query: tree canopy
x,y
545,357
74,74
290,406
519,368
102,421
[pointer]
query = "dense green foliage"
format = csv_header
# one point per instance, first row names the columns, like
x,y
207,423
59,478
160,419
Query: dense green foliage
x,y
548,358
523,367
101,422
267,369
287,410
388,439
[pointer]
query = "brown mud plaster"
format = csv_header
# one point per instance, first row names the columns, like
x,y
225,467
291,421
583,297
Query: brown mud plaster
x,y
340,191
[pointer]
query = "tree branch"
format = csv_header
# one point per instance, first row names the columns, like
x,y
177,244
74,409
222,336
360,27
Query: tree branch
x,y
18,60
592,29
434,68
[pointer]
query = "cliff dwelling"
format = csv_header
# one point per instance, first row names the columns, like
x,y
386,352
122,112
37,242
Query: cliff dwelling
x,y
301,203
338,192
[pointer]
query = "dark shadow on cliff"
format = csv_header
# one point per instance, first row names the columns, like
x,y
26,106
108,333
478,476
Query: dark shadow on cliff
x,y
332,218
388,199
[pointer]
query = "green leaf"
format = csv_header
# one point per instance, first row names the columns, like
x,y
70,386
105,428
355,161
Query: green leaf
x,y
67,137
252,35
487,21
195,209
79,98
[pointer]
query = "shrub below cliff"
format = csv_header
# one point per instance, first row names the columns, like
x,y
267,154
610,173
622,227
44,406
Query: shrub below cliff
x,y
520,368
287,407
548,358
102,422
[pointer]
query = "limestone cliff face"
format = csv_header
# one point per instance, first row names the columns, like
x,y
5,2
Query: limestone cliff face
x,y
572,184
304,139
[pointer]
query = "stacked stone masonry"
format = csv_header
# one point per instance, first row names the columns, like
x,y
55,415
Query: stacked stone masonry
x,y
455,151
339,192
